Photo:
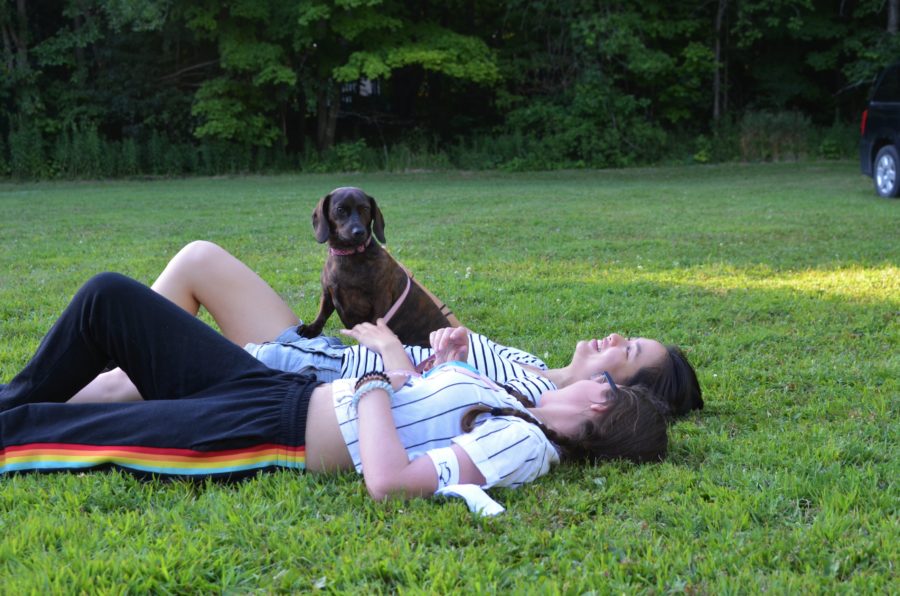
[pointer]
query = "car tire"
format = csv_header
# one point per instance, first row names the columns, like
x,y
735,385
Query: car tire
x,y
885,172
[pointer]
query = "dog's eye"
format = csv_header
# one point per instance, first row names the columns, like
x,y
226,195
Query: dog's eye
x,y
340,210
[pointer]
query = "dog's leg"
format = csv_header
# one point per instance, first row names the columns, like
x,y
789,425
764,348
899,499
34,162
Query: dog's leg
x,y
326,308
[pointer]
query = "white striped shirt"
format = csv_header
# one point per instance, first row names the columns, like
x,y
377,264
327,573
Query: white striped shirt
x,y
427,411
501,364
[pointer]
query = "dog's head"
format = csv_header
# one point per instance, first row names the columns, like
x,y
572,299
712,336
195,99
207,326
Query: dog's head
x,y
347,216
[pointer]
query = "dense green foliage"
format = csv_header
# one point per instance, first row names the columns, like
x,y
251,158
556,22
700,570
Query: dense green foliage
x,y
782,281
104,88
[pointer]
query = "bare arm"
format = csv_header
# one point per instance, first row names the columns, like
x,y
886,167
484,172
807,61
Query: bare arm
x,y
387,469
379,338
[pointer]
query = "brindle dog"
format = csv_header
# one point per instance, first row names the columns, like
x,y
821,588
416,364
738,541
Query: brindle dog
x,y
361,280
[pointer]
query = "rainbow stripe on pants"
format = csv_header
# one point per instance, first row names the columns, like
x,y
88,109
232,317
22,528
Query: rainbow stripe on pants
x,y
226,436
150,460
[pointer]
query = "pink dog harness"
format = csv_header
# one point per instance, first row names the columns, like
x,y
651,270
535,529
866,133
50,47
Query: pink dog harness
x,y
396,306
345,252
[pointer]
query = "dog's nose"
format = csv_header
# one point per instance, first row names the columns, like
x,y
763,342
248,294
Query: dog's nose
x,y
358,232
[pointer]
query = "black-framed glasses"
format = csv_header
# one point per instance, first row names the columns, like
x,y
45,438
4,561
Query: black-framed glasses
x,y
612,384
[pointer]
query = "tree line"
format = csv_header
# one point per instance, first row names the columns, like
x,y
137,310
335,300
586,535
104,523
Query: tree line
x,y
125,87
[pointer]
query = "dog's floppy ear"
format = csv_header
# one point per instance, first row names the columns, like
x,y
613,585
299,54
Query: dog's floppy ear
x,y
320,219
377,220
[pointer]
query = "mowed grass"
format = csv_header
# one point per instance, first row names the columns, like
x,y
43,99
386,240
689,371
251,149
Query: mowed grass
x,y
782,283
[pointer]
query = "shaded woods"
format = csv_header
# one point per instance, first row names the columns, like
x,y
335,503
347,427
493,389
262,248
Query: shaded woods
x,y
104,88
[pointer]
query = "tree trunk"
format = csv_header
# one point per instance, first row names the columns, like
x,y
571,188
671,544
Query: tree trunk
x,y
328,104
717,73
893,10
20,38
79,49
8,49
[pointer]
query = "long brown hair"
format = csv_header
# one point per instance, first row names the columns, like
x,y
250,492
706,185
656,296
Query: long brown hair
x,y
632,427
674,381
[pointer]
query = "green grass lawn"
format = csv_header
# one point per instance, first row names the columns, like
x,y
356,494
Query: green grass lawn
x,y
782,282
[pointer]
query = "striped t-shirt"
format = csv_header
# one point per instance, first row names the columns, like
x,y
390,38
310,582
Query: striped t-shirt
x,y
427,411
501,364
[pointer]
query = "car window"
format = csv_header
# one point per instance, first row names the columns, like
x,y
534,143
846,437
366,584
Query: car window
x,y
889,86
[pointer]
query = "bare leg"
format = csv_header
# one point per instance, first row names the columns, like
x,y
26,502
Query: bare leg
x,y
205,274
107,387
244,306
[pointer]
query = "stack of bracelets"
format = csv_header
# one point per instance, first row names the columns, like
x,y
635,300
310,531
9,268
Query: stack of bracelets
x,y
370,382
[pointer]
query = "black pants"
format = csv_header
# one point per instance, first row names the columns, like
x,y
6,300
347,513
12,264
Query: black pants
x,y
211,409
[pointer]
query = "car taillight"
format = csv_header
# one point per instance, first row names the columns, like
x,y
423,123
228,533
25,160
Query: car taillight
x,y
862,125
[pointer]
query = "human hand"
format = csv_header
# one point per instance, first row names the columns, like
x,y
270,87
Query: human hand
x,y
377,336
450,343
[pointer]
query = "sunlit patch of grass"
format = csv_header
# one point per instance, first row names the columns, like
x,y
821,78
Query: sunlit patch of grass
x,y
854,283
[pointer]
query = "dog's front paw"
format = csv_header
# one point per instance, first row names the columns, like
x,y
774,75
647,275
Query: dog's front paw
x,y
309,331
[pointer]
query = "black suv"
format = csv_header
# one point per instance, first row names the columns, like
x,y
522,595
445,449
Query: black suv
x,y
880,128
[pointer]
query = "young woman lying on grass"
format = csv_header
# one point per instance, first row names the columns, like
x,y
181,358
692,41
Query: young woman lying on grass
x,y
250,313
212,410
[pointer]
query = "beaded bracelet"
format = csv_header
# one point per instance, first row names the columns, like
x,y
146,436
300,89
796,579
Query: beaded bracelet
x,y
371,376
368,388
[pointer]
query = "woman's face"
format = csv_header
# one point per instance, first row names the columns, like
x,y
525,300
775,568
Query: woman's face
x,y
619,356
583,394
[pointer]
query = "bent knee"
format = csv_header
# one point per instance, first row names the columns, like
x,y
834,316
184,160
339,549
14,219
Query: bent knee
x,y
201,248
106,283
201,253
